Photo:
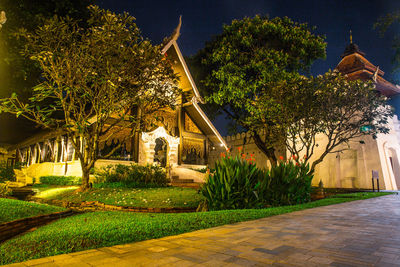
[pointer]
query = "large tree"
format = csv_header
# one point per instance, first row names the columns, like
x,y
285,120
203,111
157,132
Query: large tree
x,y
244,64
17,72
93,77
328,107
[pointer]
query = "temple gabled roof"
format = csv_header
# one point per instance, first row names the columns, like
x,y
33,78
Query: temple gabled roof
x,y
356,66
186,83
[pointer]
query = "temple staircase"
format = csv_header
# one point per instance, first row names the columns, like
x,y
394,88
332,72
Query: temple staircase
x,y
186,176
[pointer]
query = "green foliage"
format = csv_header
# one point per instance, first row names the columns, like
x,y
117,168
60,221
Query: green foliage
x,y
19,73
235,184
4,190
103,229
332,106
11,209
244,63
289,183
60,180
132,176
6,173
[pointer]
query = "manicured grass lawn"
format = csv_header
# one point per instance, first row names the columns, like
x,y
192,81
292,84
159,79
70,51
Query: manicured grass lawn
x,y
164,197
11,209
100,229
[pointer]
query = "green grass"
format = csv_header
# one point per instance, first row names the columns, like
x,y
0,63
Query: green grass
x,y
11,209
100,229
165,197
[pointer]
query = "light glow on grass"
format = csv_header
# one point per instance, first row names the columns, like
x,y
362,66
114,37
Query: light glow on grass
x,y
163,197
50,193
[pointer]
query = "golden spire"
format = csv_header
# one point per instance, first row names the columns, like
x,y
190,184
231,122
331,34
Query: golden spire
x,y
351,37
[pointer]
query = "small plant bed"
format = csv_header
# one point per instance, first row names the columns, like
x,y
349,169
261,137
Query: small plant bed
x,y
11,209
166,197
100,229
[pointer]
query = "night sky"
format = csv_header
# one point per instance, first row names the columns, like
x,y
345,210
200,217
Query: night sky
x,y
204,18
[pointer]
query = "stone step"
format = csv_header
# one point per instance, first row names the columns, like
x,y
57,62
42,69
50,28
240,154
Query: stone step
x,y
187,185
183,181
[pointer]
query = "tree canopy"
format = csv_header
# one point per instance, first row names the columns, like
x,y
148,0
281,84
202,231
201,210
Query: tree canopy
x,y
243,65
17,72
332,108
93,77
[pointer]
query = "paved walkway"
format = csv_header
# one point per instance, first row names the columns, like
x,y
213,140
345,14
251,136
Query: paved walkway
x,y
360,233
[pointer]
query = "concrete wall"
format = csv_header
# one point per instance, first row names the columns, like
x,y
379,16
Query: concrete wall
x,y
245,142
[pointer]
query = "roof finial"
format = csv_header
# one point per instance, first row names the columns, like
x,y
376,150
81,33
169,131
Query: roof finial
x,y
351,37
177,30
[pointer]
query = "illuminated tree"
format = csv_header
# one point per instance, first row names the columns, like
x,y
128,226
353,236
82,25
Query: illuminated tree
x,y
331,108
17,72
93,77
244,63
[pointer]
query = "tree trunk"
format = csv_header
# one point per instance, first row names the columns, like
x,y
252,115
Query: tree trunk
x,y
85,179
318,161
135,138
269,152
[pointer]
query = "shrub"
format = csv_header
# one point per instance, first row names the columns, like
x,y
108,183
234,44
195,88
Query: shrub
x,y
61,180
236,184
131,176
289,183
6,173
5,190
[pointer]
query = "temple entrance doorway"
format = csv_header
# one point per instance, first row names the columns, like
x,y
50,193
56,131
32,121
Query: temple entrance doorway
x,y
161,152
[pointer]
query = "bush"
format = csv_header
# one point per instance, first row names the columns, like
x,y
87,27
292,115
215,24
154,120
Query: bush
x,y
132,176
61,180
6,173
236,184
289,183
5,190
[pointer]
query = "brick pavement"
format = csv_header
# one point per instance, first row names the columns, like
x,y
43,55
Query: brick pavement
x,y
360,233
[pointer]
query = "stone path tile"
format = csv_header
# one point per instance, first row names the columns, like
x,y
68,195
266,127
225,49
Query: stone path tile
x,y
360,233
